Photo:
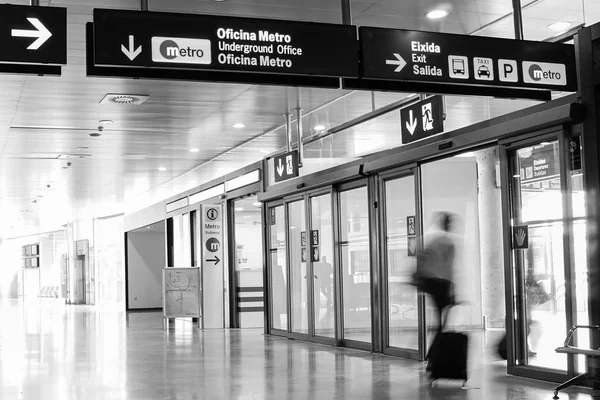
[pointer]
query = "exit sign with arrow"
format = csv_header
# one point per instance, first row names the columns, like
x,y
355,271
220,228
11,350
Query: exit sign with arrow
x,y
33,35
286,166
422,119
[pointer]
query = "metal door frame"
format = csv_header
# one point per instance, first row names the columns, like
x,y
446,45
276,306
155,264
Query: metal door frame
x,y
515,358
407,171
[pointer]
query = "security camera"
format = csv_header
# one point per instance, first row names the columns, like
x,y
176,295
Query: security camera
x,y
69,164
48,186
100,128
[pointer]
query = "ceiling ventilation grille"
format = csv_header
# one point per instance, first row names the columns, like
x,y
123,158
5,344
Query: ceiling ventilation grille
x,y
126,99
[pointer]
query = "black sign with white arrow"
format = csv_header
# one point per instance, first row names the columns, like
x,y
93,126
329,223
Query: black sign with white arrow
x,y
224,44
33,35
422,119
286,166
394,54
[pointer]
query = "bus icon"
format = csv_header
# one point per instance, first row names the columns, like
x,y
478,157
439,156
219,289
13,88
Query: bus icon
x,y
458,67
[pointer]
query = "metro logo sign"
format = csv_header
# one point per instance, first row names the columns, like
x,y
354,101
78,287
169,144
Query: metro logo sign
x,y
181,50
544,73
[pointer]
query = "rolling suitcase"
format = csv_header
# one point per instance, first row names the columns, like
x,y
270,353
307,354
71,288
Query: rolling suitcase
x,y
448,356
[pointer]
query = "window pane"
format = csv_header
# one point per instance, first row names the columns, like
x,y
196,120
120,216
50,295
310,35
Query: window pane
x,y
278,269
403,315
323,269
356,264
298,284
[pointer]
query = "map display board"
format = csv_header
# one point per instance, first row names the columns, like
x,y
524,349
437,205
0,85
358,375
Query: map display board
x,y
181,292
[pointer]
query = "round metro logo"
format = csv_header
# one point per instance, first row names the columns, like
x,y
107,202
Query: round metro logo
x,y
169,49
535,72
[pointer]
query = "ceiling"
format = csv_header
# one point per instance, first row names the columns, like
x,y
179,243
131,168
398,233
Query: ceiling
x,y
44,117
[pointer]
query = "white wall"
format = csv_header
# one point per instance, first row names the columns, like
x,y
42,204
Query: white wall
x,y
145,217
145,261
451,185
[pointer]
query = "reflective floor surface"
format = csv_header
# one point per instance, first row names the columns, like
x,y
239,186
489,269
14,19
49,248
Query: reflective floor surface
x,y
52,351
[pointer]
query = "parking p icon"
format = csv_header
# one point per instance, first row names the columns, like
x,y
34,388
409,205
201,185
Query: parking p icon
x,y
507,69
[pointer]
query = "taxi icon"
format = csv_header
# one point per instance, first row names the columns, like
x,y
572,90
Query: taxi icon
x,y
483,71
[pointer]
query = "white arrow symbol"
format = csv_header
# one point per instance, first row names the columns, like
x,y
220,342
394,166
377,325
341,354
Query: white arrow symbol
x,y
41,33
411,125
280,168
131,52
399,62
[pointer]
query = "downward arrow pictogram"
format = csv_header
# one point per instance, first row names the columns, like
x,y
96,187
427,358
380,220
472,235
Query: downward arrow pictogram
x,y
131,52
411,124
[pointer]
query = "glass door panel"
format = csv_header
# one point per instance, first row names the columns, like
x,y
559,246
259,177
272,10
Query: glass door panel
x,y
356,264
278,268
538,259
319,243
401,241
298,263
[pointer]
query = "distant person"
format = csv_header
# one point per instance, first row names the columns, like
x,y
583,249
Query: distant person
x,y
324,273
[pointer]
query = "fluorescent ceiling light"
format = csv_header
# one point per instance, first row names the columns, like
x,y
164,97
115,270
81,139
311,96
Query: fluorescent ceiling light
x,y
257,204
194,150
239,125
161,168
105,122
319,128
559,26
239,209
83,148
437,14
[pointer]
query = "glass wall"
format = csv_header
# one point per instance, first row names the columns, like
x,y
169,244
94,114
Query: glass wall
x,y
278,268
321,250
298,262
401,251
355,264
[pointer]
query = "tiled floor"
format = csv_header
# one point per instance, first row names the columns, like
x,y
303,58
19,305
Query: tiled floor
x,y
53,351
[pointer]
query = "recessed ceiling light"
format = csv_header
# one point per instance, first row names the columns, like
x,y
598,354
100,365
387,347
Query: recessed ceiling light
x,y
105,122
239,209
161,168
437,14
264,151
83,148
257,204
559,26
194,150
319,128
239,125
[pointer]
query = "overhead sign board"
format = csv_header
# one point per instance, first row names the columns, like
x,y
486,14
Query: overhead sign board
x,y
394,54
225,44
286,166
422,119
33,35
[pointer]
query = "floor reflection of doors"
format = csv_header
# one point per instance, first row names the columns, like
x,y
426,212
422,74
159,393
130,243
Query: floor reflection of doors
x,y
402,306
542,231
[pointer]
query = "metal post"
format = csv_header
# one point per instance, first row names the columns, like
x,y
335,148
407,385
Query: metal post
x,y
518,19
145,5
346,12
589,93
35,3
300,145
288,130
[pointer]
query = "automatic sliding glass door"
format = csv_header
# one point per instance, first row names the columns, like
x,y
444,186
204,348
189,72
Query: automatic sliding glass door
x,y
541,211
355,264
402,303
